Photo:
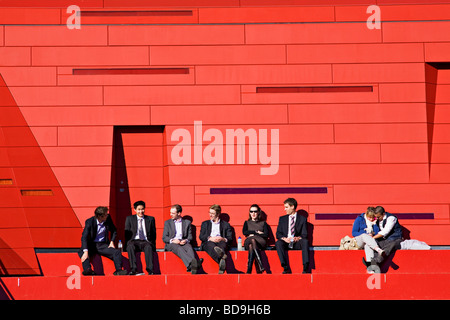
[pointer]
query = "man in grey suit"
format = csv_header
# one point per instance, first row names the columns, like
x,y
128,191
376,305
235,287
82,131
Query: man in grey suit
x,y
177,236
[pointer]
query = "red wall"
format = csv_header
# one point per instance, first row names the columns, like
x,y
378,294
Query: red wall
x,y
73,133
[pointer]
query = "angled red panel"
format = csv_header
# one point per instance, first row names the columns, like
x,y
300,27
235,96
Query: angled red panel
x,y
33,184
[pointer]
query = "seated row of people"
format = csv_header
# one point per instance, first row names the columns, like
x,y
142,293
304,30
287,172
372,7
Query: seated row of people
x,y
375,231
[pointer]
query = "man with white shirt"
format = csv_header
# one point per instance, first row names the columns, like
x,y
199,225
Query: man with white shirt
x,y
140,236
96,239
216,235
390,234
177,236
292,234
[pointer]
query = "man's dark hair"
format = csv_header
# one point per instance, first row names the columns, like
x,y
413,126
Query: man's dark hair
x,y
100,211
291,202
379,210
139,203
178,208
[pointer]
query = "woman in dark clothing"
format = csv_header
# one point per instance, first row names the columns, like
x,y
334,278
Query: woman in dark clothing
x,y
257,233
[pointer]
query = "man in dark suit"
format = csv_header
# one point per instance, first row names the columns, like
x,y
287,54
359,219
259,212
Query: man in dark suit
x,y
95,239
177,236
140,236
292,234
216,235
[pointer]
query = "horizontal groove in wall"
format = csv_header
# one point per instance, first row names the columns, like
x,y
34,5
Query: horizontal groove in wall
x,y
6,181
36,192
314,89
135,13
121,71
269,190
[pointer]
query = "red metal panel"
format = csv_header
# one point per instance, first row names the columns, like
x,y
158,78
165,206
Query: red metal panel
x,y
359,173
85,136
15,56
86,115
78,156
145,95
277,74
433,31
29,76
263,14
54,96
87,56
411,11
404,153
391,193
232,174
435,51
392,72
176,35
325,33
55,36
33,16
329,153
217,54
357,113
388,133
355,53
232,114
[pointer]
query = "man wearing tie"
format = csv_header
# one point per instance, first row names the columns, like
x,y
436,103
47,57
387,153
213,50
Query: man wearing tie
x,y
177,236
292,234
140,233
96,240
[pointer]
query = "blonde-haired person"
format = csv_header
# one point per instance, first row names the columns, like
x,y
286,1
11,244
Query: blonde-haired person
x,y
364,228
216,236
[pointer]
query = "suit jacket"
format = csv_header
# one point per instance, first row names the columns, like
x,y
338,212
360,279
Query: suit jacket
x,y
300,227
90,232
169,230
131,228
225,231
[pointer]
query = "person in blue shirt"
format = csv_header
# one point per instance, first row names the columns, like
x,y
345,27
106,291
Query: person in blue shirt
x,y
364,230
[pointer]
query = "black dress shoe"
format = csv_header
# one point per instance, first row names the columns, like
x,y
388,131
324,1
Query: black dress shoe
x,y
149,272
286,270
132,272
120,272
89,272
